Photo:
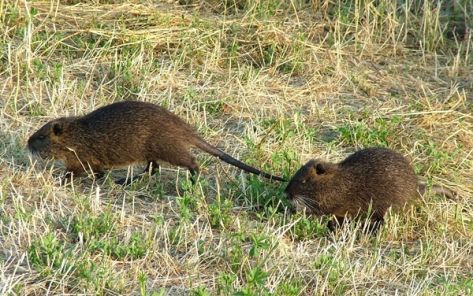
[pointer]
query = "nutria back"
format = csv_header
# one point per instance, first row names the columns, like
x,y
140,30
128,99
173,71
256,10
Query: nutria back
x,y
122,134
376,177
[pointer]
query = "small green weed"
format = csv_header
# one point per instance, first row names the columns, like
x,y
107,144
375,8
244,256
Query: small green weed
x,y
142,279
220,213
459,286
265,197
225,284
127,78
92,226
200,291
264,8
380,133
259,242
287,161
177,234
48,254
255,281
96,275
289,288
438,157
287,129
212,107
308,227
332,268
235,253
134,248
187,206
36,109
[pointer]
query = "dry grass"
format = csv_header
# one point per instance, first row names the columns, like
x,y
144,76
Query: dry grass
x,y
273,83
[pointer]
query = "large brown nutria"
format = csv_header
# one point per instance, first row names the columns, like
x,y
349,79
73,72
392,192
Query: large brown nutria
x,y
373,178
122,134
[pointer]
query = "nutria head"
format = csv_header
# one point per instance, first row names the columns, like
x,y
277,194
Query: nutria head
x,y
48,141
306,188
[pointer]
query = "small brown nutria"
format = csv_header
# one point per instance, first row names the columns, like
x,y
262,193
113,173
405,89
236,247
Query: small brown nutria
x,y
373,178
124,133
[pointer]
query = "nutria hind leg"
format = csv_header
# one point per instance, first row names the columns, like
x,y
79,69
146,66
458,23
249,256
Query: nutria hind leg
x,y
124,181
183,157
194,171
152,168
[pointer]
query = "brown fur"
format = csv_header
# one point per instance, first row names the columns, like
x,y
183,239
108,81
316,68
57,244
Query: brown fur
x,y
375,177
122,134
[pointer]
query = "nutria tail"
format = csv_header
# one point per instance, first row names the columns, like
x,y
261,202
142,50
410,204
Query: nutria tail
x,y
437,189
202,144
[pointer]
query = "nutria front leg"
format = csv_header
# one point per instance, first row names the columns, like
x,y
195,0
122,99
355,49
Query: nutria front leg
x,y
66,179
98,175
71,172
335,223
123,181
372,228
152,167
374,225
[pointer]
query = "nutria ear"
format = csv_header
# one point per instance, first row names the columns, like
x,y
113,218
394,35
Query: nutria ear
x,y
320,169
311,172
57,128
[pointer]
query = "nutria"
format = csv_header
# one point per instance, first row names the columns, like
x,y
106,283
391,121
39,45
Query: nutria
x,y
373,178
122,134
